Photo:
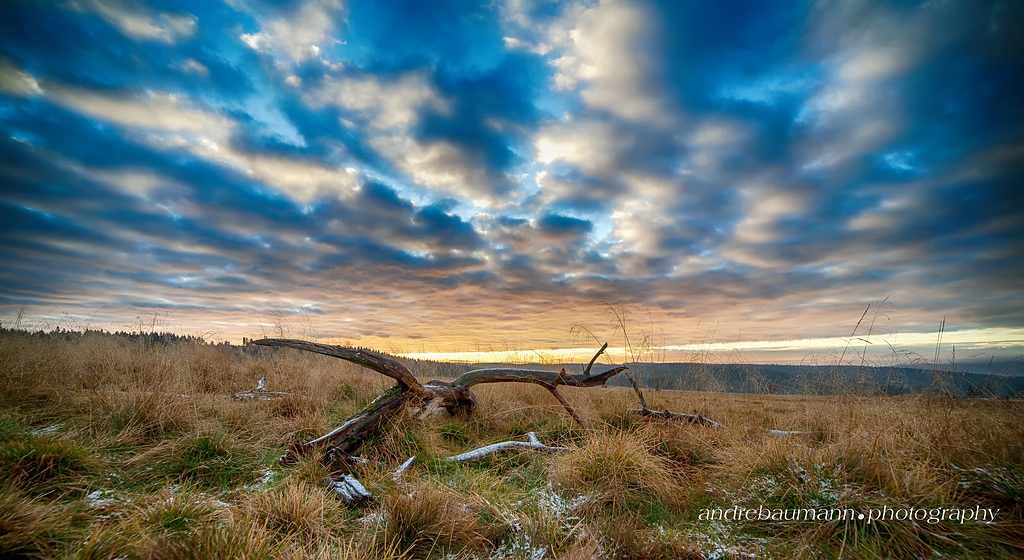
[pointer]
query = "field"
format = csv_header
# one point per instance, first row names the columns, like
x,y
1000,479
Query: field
x,y
132,448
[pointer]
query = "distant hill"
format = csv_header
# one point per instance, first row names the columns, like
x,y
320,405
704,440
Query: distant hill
x,y
787,379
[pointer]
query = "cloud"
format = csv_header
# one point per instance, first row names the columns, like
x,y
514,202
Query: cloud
x,y
14,81
153,110
591,146
139,23
771,169
173,123
609,53
193,66
298,35
385,105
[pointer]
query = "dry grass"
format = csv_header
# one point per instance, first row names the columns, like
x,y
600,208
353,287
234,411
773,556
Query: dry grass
x,y
619,469
117,448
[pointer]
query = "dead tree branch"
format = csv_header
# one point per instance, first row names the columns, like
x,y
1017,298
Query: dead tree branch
x,y
644,410
454,396
669,415
402,468
477,454
376,361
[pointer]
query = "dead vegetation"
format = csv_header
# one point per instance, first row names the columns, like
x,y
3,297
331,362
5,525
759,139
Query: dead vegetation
x,y
97,460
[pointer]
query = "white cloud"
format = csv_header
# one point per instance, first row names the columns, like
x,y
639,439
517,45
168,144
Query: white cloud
x,y
391,108
193,66
608,52
136,182
386,104
298,34
174,122
133,20
155,110
590,145
16,81
765,207
442,166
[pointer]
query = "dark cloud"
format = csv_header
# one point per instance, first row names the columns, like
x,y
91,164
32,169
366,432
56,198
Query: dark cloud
x,y
557,225
763,164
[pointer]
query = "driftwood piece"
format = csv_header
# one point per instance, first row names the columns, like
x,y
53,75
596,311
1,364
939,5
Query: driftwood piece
x,y
402,468
454,396
533,444
669,415
350,490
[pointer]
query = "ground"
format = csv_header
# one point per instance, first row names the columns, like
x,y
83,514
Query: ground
x,y
134,448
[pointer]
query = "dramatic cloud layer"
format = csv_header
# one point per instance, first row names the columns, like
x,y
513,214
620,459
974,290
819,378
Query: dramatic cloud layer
x,y
450,176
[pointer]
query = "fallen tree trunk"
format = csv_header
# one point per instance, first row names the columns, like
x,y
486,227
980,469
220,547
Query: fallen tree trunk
x,y
454,396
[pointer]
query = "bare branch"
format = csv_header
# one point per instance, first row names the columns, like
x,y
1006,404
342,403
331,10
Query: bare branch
x,y
568,407
376,361
545,378
350,490
350,435
783,433
260,393
594,359
477,454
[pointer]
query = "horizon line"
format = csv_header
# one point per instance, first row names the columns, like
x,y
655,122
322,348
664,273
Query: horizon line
x,y
986,339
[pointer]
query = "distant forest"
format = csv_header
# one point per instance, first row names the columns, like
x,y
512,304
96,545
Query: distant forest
x,y
804,379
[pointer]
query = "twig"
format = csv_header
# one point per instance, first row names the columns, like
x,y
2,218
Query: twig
x,y
568,407
260,393
783,433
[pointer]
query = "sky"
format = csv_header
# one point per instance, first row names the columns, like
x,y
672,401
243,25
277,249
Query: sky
x,y
737,178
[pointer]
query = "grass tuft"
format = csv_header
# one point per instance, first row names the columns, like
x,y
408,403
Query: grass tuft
x,y
296,509
211,459
429,519
620,470
29,527
45,464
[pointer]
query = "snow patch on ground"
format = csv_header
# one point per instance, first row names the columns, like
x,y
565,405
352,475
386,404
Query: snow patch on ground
x,y
48,430
266,477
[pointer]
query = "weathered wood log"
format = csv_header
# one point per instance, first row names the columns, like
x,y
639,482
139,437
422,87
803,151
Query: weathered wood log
x,y
533,444
360,426
454,396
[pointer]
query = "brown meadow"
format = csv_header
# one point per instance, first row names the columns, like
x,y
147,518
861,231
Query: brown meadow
x,y
118,447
